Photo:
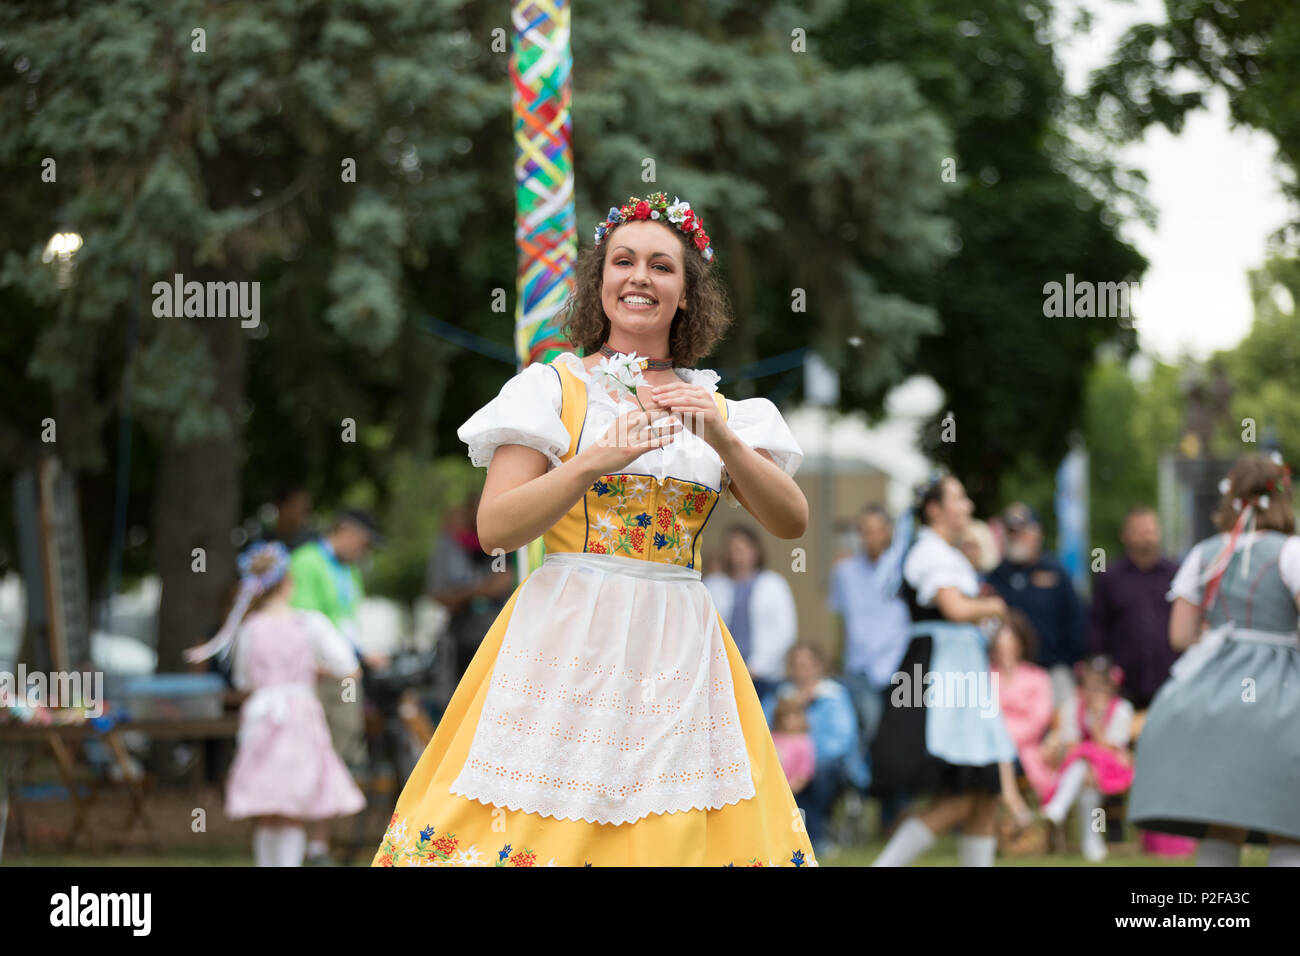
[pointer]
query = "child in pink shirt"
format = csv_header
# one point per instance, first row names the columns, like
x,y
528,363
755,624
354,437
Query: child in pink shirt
x,y
1024,696
794,744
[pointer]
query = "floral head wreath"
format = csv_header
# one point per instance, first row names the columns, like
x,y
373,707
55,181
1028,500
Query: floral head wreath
x,y
1279,482
656,207
251,585
1247,521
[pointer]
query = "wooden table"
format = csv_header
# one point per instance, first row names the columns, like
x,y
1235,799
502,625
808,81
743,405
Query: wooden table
x,y
65,741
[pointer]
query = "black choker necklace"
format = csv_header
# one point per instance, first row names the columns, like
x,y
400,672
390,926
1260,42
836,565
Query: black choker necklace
x,y
650,363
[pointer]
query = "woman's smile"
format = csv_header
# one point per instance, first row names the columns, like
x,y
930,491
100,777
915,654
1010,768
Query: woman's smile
x,y
639,302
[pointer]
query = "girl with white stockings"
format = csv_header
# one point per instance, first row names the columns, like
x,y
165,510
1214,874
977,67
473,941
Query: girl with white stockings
x,y
285,770
949,749
1093,739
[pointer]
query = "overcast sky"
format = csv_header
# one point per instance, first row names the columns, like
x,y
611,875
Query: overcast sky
x,y
1218,196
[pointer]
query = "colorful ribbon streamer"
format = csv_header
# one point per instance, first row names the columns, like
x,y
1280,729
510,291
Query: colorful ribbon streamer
x,y
546,233
546,227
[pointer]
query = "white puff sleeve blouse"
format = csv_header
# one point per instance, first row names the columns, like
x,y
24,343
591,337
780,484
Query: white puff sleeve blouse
x,y
758,423
525,412
933,564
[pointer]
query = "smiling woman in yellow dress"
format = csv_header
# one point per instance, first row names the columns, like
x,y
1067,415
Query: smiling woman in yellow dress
x,y
608,718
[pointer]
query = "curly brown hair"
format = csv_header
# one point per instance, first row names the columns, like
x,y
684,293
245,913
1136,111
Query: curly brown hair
x,y
694,331
1252,476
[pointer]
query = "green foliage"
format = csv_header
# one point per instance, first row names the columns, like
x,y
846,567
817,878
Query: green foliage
x,y
1026,212
1128,425
818,170
1265,366
1247,48
419,496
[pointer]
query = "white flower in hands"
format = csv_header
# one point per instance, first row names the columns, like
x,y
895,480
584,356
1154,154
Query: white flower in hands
x,y
625,370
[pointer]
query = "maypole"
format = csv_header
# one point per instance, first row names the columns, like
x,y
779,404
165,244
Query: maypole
x,y
546,235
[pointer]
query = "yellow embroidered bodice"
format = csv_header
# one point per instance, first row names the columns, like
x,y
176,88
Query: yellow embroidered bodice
x,y
631,515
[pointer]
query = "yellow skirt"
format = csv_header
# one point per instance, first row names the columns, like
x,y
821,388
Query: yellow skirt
x,y
433,827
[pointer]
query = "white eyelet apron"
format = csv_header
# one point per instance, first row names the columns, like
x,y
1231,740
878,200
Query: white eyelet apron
x,y
611,697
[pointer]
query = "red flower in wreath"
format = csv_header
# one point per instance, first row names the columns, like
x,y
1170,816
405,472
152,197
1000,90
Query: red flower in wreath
x,y
642,210
701,240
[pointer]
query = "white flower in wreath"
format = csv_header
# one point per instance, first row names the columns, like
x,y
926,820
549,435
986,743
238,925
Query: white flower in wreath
x,y
678,210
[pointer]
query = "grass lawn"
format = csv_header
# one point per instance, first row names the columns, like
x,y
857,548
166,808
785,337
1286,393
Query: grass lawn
x,y
944,853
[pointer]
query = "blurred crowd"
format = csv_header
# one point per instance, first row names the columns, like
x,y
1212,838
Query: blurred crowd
x,y
1057,658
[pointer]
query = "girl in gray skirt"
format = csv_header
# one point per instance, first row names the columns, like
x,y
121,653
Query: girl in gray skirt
x,y
1219,755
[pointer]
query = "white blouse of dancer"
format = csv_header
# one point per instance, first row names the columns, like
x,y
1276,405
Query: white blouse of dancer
x,y
933,564
611,697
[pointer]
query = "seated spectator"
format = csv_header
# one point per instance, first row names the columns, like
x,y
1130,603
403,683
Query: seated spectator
x,y
1024,696
833,723
1092,746
794,744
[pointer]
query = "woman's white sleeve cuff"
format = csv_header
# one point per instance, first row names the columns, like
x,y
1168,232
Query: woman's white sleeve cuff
x,y
758,423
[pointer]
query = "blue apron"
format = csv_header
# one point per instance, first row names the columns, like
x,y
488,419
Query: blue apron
x,y
964,726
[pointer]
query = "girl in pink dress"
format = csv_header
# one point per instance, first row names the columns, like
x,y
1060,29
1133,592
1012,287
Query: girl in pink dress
x,y
285,770
1094,736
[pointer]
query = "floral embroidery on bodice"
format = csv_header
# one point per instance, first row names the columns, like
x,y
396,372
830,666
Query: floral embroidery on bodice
x,y
635,514
639,516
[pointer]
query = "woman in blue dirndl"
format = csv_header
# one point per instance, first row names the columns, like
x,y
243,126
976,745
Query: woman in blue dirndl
x,y
942,731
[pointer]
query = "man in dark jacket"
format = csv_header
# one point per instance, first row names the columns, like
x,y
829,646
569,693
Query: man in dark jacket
x,y
1036,583
1130,613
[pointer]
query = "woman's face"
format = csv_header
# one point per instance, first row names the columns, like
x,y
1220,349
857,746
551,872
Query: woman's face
x,y
954,511
742,555
805,669
643,260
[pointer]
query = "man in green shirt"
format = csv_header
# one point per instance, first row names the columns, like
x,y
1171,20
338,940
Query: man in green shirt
x,y
326,579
